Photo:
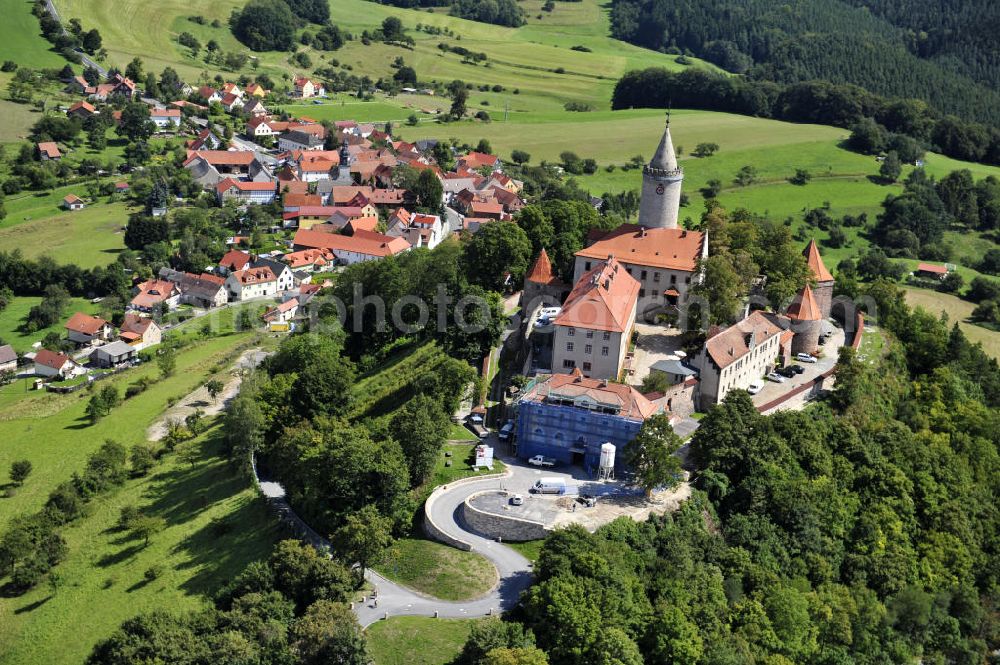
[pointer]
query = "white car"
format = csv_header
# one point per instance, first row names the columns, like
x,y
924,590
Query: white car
x,y
549,312
805,358
755,387
516,500
774,376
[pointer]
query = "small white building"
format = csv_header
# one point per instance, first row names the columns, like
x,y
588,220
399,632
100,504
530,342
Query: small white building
x,y
166,118
52,365
251,283
114,354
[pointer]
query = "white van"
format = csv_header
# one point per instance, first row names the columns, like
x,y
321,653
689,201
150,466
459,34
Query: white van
x,y
549,486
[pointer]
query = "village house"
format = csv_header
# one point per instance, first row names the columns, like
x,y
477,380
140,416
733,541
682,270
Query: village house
x,y
113,354
664,260
306,88
8,359
209,94
166,118
209,167
155,294
251,283
931,271
418,229
73,202
594,328
50,364
81,110
316,165
48,150
231,102
139,331
205,291
477,160
84,329
233,261
260,193
206,140
569,417
348,249
305,216
256,90
285,280
309,260
297,139
254,108
283,313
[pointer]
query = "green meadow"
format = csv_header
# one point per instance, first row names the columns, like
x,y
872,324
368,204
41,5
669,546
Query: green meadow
x,y
13,316
216,525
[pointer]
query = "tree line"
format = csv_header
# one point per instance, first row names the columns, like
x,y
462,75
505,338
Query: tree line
x,y
821,102
832,42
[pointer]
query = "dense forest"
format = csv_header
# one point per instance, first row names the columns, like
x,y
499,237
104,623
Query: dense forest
x,y
898,49
842,105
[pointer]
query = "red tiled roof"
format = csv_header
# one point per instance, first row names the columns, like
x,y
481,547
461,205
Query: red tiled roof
x,y
51,359
603,299
85,324
244,186
86,106
254,275
629,402
49,149
676,249
72,198
804,307
541,272
930,267
733,343
135,324
362,242
234,260
815,261
225,157
165,113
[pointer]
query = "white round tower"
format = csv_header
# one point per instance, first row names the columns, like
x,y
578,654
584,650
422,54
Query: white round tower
x,y
661,186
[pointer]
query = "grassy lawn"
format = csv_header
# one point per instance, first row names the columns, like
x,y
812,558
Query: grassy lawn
x,y
89,237
55,436
460,433
216,526
21,38
872,345
530,549
958,310
14,315
438,570
417,640
461,454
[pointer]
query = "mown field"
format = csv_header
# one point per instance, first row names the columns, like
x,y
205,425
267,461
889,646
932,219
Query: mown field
x,y
417,640
216,525
958,311
89,237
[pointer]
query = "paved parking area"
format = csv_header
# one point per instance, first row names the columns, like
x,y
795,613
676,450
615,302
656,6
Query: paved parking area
x,y
825,362
614,498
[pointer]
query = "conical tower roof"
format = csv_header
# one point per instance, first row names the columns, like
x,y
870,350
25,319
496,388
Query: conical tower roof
x,y
815,261
665,159
541,272
804,307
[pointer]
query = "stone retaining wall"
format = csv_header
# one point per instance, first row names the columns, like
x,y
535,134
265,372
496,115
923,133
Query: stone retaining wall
x,y
504,527
432,529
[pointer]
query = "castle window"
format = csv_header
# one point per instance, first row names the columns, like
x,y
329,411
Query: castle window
x,y
604,350
590,334
642,292
643,274
569,346
673,279
588,349
571,332
656,277
607,336
569,364
586,266
586,367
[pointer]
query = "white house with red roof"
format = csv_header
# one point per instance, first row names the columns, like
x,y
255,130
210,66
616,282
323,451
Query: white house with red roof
x,y
48,150
139,331
81,110
51,364
361,246
73,202
84,329
246,192
416,228
233,261
283,313
309,260
305,88
165,118
593,330
251,283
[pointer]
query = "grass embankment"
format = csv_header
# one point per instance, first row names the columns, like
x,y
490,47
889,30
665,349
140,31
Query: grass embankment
x,y
460,433
216,525
379,393
438,570
958,311
529,549
90,237
52,431
417,640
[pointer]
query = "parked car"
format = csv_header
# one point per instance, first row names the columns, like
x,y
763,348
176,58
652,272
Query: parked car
x,y
798,369
541,460
516,500
755,387
775,377
805,358
786,372
506,430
